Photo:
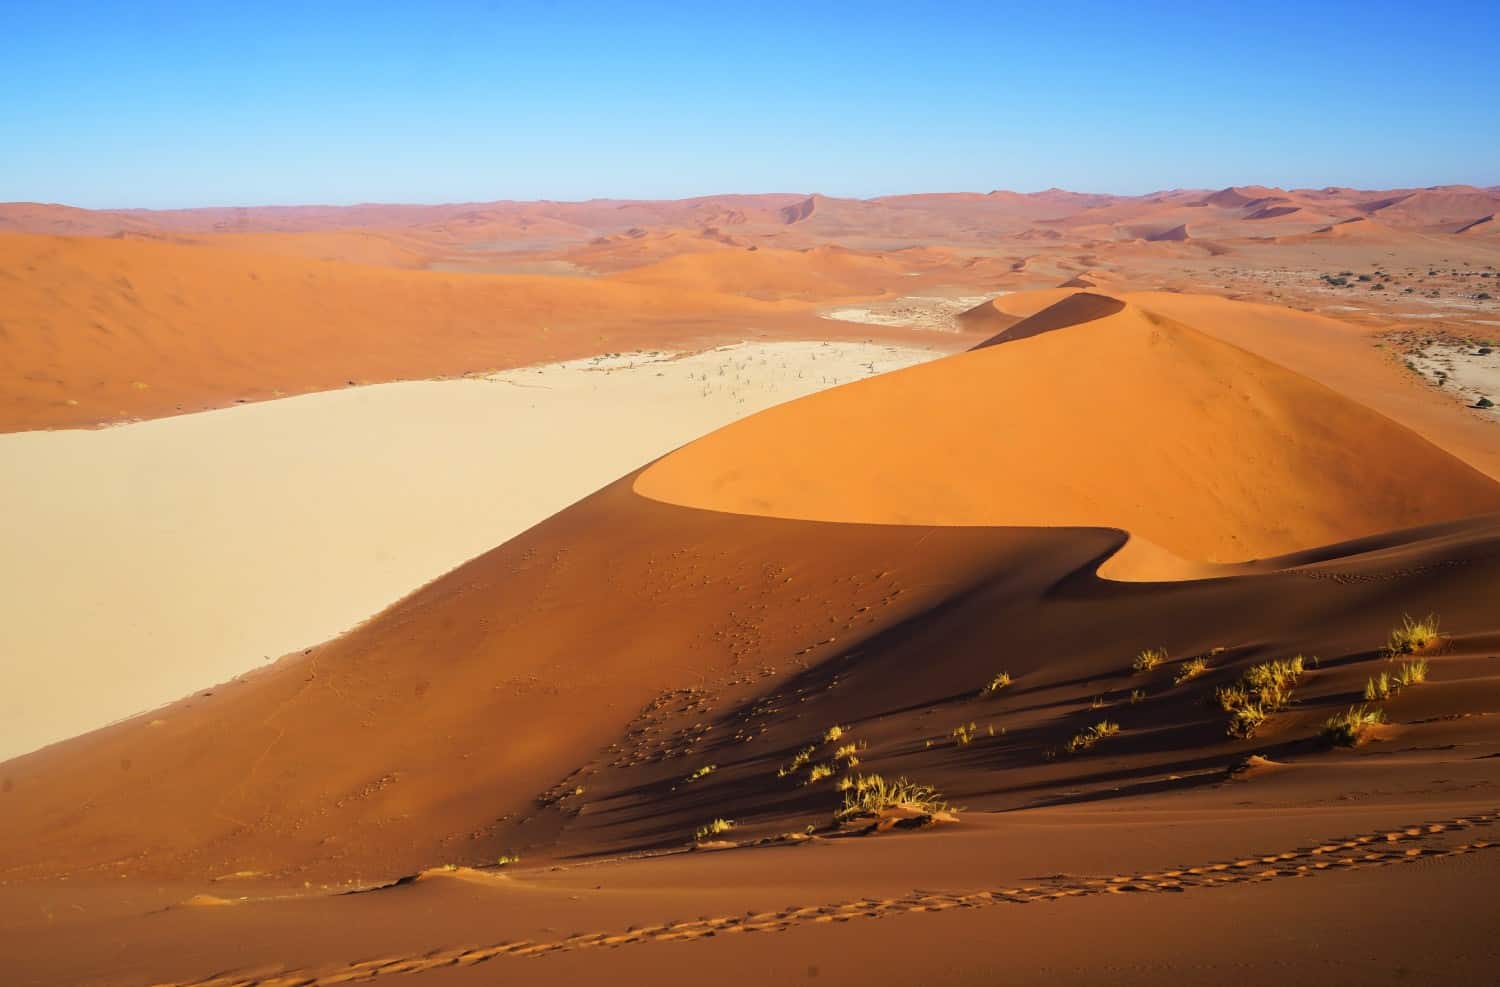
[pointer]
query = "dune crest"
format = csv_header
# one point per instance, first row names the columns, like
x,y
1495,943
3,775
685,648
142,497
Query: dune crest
x,y
1097,412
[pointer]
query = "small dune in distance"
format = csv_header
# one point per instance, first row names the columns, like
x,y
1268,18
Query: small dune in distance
x,y
753,587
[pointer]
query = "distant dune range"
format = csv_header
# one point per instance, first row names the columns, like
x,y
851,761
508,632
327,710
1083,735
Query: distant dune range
x,y
113,315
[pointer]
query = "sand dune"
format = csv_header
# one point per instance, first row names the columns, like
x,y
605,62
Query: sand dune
x,y
1167,420
103,329
198,547
512,761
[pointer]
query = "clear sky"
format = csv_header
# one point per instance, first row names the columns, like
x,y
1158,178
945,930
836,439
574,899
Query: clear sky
x,y
159,105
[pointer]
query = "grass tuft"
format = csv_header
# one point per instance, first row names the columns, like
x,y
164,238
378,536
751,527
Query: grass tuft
x,y
1411,673
995,685
799,759
1378,688
1148,660
1347,727
715,828
872,794
1412,635
964,733
1263,689
704,771
818,772
834,733
1085,739
1190,669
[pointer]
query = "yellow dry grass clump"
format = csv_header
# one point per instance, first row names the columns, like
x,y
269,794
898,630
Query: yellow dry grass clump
x,y
1263,689
870,795
716,828
1412,635
1148,660
1347,727
1087,738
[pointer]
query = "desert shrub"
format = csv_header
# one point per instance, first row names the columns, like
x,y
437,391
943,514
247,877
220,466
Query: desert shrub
x,y
995,684
1245,720
872,794
1087,738
1412,635
799,759
1347,727
506,859
1263,689
1410,673
1484,402
964,733
1190,669
715,828
1148,660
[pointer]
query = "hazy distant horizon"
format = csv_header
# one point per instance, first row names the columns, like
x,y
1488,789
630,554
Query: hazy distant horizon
x,y
434,203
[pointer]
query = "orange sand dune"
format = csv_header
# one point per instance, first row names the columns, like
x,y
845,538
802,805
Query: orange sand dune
x,y
1094,412
1339,355
397,249
50,218
631,669
1445,208
816,273
101,329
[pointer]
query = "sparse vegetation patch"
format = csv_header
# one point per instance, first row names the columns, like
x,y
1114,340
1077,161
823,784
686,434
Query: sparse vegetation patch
x,y
995,685
716,828
1347,727
1087,738
1263,689
871,794
1148,660
1191,669
1411,673
1412,635
818,772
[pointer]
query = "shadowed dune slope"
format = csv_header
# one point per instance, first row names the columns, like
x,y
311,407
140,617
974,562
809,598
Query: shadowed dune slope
x,y
551,697
456,724
1093,412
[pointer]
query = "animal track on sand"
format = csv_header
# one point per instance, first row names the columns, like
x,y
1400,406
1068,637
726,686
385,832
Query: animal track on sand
x,y
1421,841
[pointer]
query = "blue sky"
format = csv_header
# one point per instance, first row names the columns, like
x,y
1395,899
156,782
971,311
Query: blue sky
x,y
161,105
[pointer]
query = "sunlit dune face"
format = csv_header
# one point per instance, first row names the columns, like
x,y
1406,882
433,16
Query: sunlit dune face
x,y
1093,413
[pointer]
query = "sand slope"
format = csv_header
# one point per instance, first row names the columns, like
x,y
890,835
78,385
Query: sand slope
x,y
102,329
1092,412
198,547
